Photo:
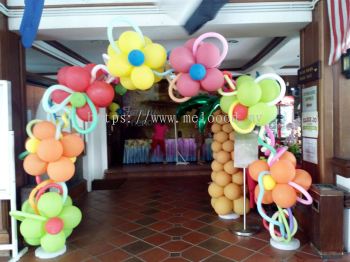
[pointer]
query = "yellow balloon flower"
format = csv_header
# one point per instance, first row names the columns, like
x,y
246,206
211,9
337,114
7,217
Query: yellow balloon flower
x,y
32,145
268,182
136,60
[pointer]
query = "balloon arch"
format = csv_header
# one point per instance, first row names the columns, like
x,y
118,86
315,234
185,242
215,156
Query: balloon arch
x,y
134,62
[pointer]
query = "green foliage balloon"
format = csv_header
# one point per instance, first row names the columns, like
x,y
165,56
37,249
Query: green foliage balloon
x,y
244,78
68,201
53,243
71,216
31,228
226,102
50,204
249,93
27,208
270,90
33,241
67,232
262,114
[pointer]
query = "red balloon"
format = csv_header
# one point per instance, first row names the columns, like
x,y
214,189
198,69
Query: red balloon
x,y
58,96
100,93
85,113
240,112
77,78
89,68
61,75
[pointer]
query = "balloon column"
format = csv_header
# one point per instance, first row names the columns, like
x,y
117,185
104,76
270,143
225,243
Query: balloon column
x,y
252,102
279,182
196,64
48,218
226,188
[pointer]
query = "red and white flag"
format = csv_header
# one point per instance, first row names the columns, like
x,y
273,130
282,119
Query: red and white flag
x,y
339,19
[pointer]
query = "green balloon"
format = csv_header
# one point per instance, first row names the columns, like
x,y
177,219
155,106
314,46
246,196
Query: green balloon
x,y
244,78
50,204
249,93
71,216
26,207
119,89
68,201
77,99
206,111
270,90
243,124
194,103
262,114
226,102
67,232
53,243
33,241
32,228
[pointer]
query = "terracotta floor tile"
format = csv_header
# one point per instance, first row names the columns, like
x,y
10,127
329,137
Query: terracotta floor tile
x,y
310,249
142,232
176,231
260,257
214,245
122,240
145,221
193,224
275,253
161,226
157,239
301,256
177,220
98,248
115,255
175,246
195,237
76,255
208,219
210,230
175,259
192,214
228,237
133,259
155,254
217,258
237,253
196,253
137,247
251,243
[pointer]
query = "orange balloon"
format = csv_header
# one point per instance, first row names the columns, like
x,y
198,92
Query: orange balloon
x,y
282,171
284,195
72,144
50,150
33,165
44,130
302,178
267,198
290,157
61,170
256,168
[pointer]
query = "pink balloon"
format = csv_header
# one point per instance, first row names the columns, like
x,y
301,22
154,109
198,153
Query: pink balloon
x,y
59,95
189,43
208,55
61,75
187,86
213,80
181,59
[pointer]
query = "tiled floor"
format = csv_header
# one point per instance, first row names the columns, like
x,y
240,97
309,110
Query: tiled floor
x,y
169,219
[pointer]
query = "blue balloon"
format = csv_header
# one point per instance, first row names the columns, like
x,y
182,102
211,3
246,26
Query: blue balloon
x,y
197,72
136,57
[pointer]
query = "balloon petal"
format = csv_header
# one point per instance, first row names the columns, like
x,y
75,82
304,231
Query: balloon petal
x,y
181,59
119,65
187,86
127,83
208,55
189,44
50,204
71,216
155,55
129,41
53,243
32,228
213,80
142,77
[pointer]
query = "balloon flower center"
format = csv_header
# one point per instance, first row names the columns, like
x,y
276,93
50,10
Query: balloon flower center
x,y
240,112
77,99
136,57
54,225
197,72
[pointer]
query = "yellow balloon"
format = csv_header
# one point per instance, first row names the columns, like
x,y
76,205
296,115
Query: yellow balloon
x,y
113,107
147,40
142,77
127,83
73,159
268,182
113,116
32,145
158,78
129,41
155,55
110,51
119,65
